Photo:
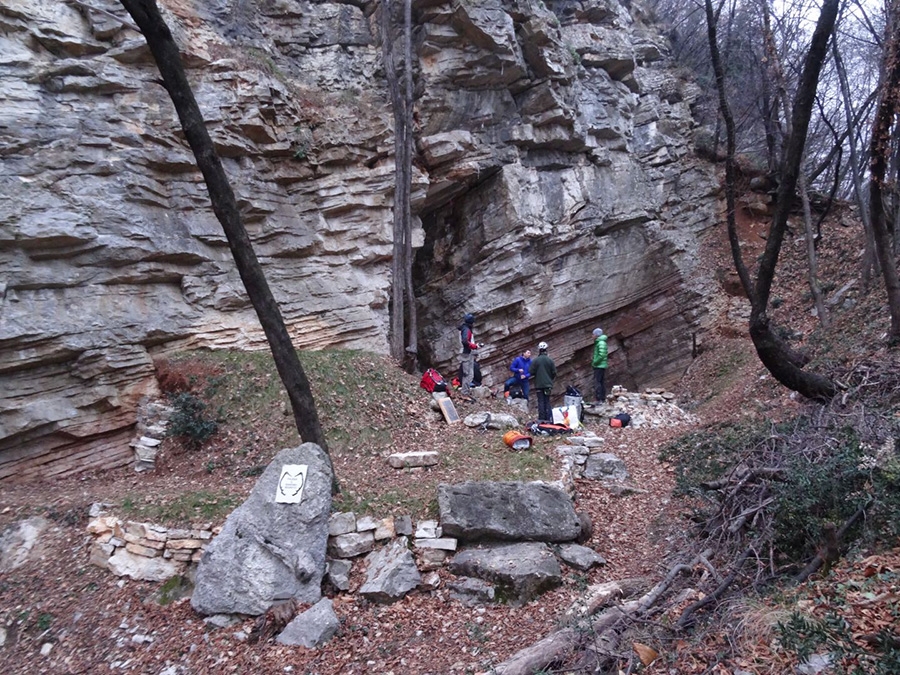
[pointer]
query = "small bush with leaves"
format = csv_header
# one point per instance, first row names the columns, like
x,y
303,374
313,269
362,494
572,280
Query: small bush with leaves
x,y
707,454
806,636
189,420
187,375
824,488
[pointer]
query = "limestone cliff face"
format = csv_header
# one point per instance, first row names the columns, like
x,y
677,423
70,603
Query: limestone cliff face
x,y
556,187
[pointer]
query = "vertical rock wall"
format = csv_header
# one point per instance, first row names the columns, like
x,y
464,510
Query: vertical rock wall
x,y
567,198
555,184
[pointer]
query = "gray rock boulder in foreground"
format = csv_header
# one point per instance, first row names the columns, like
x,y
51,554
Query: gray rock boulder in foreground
x,y
605,466
507,511
392,573
520,572
269,551
312,628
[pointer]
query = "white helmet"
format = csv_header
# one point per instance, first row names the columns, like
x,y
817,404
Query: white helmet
x,y
542,346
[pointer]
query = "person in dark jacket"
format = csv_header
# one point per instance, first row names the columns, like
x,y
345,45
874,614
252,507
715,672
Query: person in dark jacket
x,y
520,368
598,361
469,347
544,372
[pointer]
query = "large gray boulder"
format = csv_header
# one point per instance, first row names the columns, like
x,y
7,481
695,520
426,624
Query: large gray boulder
x,y
269,551
519,572
507,511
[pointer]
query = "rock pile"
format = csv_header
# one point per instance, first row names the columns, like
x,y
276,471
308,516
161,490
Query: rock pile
x,y
145,551
654,408
152,423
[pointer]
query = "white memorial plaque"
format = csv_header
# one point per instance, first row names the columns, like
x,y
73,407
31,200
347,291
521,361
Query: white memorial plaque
x,y
290,485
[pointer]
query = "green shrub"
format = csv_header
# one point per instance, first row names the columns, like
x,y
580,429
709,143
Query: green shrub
x,y
827,488
805,636
708,454
189,421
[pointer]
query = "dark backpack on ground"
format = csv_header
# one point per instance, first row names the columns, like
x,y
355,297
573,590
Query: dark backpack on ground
x,y
620,420
516,391
432,381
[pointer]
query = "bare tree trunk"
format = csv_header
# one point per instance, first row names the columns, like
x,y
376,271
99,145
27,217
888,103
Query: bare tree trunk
x,y
784,364
403,309
814,287
712,18
412,341
780,101
868,261
165,53
398,287
888,106
895,193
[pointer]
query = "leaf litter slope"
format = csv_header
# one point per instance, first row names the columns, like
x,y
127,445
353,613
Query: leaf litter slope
x,y
95,622
370,409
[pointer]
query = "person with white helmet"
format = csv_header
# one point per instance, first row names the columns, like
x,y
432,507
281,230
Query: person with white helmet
x,y
544,372
469,347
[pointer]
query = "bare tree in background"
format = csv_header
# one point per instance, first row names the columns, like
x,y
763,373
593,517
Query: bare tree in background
x,y
784,364
168,60
868,260
885,118
404,323
781,103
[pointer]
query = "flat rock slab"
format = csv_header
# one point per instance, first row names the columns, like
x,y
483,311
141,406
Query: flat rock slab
x,y
519,572
580,557
604,466
443,543
491,421
472,592
507,511
585,441
351,545
313,628
123,563
402,460
270,551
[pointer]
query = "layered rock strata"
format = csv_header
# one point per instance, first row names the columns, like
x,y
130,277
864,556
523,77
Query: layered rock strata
x,y
554,180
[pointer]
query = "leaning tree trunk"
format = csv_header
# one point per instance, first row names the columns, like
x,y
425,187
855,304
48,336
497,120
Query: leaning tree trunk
x,y
888,106
781,361
773,351
165,53
730,151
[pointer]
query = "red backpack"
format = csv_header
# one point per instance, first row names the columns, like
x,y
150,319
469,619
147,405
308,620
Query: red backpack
x,y
432,381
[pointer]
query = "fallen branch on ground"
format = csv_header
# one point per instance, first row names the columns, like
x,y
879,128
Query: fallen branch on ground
x,y
606,628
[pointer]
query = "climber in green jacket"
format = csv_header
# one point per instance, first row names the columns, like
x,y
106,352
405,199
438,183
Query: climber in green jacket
x,y
599,363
